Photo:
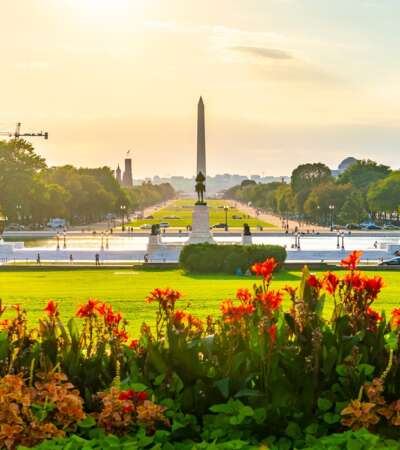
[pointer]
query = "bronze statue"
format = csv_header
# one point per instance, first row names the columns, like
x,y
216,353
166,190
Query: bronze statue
x,y
155,230
246,230
200,188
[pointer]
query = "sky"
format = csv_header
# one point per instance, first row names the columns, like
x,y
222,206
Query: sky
x,y
284,81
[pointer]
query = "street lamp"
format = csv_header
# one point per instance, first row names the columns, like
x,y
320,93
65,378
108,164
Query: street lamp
x,y
332,209
58,240
19,216
123,209
226,217
342,240
338,240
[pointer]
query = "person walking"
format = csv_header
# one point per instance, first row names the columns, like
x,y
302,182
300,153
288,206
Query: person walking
x,y
38,260
97,259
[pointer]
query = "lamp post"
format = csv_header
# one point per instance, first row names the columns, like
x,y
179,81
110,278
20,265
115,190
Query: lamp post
x,y
332,209
338,240
19,215
342,240
107,245
65,240
102,242
298,241
226,217
58,240
123,209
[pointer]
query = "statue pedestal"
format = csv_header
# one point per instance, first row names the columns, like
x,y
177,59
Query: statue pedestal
x,y
247,239
200,226
154,243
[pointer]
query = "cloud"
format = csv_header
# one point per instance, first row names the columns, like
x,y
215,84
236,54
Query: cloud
x,y
262,52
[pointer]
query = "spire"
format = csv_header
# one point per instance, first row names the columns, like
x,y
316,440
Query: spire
x,y
201,139
201,100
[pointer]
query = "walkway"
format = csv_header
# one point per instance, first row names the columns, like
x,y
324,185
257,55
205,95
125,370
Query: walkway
x,y
273,219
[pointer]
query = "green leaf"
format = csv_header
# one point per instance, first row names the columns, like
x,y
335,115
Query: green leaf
x,y
88,422
223,386
331,418
324,404
367,369
293,430
391,341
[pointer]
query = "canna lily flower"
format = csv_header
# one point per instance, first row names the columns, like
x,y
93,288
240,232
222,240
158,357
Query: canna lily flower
x,y
331,282
314,282
352,260
272,333
243,295
265,268
121,334
290,290
374,315
51,308
373,286
134,344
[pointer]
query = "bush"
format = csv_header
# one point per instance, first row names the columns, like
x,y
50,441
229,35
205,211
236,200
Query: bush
x,y
209,258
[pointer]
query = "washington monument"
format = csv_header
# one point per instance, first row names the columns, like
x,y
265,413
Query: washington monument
x,y
201,139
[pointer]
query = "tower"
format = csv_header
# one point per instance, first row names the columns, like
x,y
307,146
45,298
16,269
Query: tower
x,y
118,175
201,139
127,179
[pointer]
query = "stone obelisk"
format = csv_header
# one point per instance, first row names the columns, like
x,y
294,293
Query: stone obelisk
x,y
201,139
200,219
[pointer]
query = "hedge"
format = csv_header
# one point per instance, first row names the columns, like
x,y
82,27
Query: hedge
x,y
211,258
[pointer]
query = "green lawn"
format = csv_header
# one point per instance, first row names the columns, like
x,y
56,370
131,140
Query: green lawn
x,y
127,289
182,210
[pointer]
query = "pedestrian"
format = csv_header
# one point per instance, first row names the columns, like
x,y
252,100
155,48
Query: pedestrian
x,y
38,260
71,259
146,258
97,259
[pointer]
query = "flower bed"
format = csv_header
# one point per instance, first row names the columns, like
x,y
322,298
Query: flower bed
x,y
255,375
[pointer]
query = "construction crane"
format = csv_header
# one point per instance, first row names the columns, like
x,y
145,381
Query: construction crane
x,y
17,133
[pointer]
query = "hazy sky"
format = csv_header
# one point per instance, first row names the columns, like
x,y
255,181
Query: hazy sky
x,y
284,81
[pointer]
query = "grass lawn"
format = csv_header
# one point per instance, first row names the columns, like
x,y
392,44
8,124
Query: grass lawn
x,y
126,290
182,211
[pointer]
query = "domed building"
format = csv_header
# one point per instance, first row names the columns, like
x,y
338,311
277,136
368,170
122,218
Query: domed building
x,y
344,165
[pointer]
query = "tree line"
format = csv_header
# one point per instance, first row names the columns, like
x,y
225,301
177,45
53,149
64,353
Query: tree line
x,y
31,192
366,190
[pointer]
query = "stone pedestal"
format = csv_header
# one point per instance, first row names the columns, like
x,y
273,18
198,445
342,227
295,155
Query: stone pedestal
x,y
200,226
154,243
247,239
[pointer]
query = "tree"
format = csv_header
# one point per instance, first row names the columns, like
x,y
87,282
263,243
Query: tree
x,y
363,173
19,168
354,209
384,195
317,205
306,177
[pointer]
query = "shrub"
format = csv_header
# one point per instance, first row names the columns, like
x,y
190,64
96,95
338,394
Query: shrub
x,y
209,258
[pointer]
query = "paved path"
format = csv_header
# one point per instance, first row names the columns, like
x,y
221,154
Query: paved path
x,y
275,220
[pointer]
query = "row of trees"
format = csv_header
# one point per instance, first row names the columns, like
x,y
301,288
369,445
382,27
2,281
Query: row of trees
x,y
31,192
364,190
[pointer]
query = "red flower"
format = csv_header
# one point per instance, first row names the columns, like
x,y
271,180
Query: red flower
x,y
134,344
165,297
265,268
51,308
121,334
127,409
354,280
4,323
373,286
314,282
352,260
290,290
233,313
396,317
88,310
331,282
178,317
130,394
243,295
271,300
374,315
272,333
111,317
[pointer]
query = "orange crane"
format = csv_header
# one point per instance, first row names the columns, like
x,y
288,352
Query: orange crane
x,y
17,133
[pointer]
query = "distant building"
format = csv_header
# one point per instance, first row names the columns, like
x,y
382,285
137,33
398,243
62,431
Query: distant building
x,y
343,166
118,175
127,179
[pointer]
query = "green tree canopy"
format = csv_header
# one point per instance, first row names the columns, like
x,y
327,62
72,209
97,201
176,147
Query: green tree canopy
x,y
364,173
384,195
